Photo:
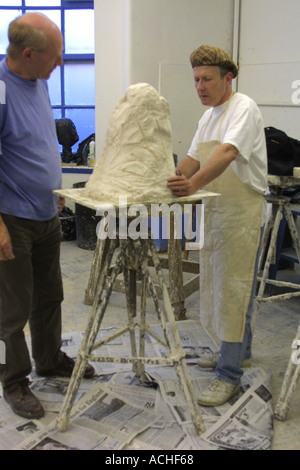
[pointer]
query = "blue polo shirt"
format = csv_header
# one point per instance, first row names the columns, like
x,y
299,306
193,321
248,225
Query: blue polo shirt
x,y
30,162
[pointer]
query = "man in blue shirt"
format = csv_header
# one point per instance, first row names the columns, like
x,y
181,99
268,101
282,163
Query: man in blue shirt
x,y
30,169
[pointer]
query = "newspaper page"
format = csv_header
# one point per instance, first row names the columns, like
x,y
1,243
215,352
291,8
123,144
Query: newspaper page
x,y
117,410
101,420
248,424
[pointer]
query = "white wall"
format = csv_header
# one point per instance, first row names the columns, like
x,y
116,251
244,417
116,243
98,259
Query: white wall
x,y
269,59
111,60
164,33
151,41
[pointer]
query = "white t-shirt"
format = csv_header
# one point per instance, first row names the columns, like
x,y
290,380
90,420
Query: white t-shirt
x,y
237,122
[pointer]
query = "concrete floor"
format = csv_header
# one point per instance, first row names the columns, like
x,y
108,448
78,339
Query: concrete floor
x,y
275,331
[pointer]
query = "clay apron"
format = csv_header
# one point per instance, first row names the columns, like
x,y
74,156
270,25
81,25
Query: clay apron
x,y
227,260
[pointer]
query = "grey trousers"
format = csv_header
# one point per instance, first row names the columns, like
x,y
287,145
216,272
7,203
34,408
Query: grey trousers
x,y
30,290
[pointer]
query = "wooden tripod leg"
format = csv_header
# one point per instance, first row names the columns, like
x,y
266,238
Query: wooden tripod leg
x,y
171,335
91,331
180,364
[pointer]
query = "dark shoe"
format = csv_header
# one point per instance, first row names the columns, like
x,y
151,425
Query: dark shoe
x,y
23,402
65,369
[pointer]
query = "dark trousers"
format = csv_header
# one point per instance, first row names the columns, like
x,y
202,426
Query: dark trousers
x,y
30,290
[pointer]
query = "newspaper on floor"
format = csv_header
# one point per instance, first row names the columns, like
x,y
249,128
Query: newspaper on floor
x,y
248,424
117,410
14,430
244,422
101,420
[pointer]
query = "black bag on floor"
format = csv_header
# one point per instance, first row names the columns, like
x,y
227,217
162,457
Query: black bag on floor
x,y
283,152
68,224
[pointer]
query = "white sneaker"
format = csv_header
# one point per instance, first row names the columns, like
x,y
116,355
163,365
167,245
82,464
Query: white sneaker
x,y
218,393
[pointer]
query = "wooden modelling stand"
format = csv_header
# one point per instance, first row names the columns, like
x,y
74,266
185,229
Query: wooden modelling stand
x,y
280,208
175,263
131,256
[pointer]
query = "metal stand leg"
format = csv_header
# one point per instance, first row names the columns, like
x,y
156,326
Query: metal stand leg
x,y
176,273
174,264
283,208
132,256
98,260
174,344
269,260
291,376
289,384
91,331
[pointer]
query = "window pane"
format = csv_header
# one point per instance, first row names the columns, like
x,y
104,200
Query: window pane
x,y
80,84
79,32
53,15
10,3
84,120
6,17
56,113
43,3
54,84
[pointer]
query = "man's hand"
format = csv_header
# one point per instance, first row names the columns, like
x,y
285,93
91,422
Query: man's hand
x,y
6,251
180,185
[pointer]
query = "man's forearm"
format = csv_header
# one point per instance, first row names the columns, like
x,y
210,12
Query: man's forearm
x,y
215,166
188,167
193,177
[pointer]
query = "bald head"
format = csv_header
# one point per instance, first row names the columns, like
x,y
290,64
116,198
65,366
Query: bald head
x,y
32,30
35,46
40,22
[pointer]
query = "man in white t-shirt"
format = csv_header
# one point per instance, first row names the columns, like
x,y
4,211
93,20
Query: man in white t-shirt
x,y
227,156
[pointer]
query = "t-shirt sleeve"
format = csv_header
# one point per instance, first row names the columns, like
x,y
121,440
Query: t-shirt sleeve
x,y
242,131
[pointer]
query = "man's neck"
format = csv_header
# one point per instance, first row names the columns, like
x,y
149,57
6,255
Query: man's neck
x,y
16,68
